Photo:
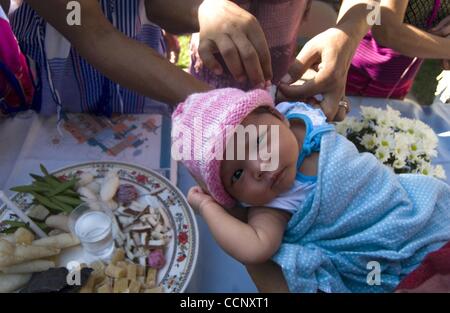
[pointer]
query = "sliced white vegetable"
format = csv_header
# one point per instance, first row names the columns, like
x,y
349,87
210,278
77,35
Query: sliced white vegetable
x,y
85,179
87,193
109,187
59,222
94,187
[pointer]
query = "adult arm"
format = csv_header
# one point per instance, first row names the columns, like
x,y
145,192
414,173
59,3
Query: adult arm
x,y
123,60
407,39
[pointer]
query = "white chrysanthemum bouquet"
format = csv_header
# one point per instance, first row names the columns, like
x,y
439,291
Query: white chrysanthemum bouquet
x,y
405,145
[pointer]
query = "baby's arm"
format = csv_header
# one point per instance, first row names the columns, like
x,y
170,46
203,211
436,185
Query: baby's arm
x,y
250,243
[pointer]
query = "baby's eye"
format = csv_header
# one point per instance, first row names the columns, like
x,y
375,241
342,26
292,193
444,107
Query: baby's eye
x,y
236,176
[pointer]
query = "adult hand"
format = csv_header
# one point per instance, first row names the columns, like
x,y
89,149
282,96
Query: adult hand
x,y
227,29
330,54
443,29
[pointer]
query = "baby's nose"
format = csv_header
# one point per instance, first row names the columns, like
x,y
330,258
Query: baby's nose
x,y
257,168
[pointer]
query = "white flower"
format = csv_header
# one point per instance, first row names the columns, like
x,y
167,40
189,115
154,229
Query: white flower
x,y
391,137
399,163
370,113
439,172
382,154
342,127
386,140
347,126
425,169
369,141
393,114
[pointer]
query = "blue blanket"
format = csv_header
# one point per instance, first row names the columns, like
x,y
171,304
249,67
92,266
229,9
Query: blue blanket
x,y
364,228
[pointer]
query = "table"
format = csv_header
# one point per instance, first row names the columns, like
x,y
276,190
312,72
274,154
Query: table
x,y
28,140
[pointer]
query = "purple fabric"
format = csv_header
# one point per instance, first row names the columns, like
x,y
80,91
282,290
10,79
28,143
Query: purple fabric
x,y
280,21
382,72
16,87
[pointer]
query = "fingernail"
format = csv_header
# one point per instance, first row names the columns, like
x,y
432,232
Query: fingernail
x,y
261,86
286,79
241,79
267,84
217,71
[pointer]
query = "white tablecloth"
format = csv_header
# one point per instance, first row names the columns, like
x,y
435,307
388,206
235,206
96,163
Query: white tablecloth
x,y
29,139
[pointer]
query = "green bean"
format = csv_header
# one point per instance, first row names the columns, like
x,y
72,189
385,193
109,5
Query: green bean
x,y
30,188
47,202
37,177
52,181
9,230
15,223
26,188
64,186
43,169
13,226
68,200
71,193
43,185
64,206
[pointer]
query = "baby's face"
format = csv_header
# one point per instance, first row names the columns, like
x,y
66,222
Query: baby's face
x,y
246,180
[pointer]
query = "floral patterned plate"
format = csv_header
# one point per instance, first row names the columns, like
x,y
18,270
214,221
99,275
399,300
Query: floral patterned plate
x,y
154,189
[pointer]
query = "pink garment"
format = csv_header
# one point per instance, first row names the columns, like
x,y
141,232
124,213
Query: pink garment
x,y
382,72
280,21
13,67
204,123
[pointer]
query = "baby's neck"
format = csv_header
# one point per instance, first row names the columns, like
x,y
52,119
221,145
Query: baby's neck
x,y
310,163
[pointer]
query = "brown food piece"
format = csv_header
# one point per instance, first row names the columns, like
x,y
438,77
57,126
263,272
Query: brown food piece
x,y
120,285
105,288
131,271
157,289
150,281
89,286
134,286
119,255
115,271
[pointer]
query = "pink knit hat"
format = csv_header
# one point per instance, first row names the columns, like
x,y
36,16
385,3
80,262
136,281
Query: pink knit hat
x,y
200,123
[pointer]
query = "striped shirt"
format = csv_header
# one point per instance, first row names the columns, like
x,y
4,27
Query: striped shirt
x,y
378,71
67,81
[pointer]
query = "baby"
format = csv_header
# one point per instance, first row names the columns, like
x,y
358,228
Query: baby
x,y
327,214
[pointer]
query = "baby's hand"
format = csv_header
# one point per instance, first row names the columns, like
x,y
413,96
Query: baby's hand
x,y
198,199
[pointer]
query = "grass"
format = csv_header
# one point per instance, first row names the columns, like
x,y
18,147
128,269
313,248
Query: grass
x,y
425,82
184,59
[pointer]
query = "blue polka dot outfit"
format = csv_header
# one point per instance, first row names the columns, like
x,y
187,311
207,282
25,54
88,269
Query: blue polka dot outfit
x,y
362,228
